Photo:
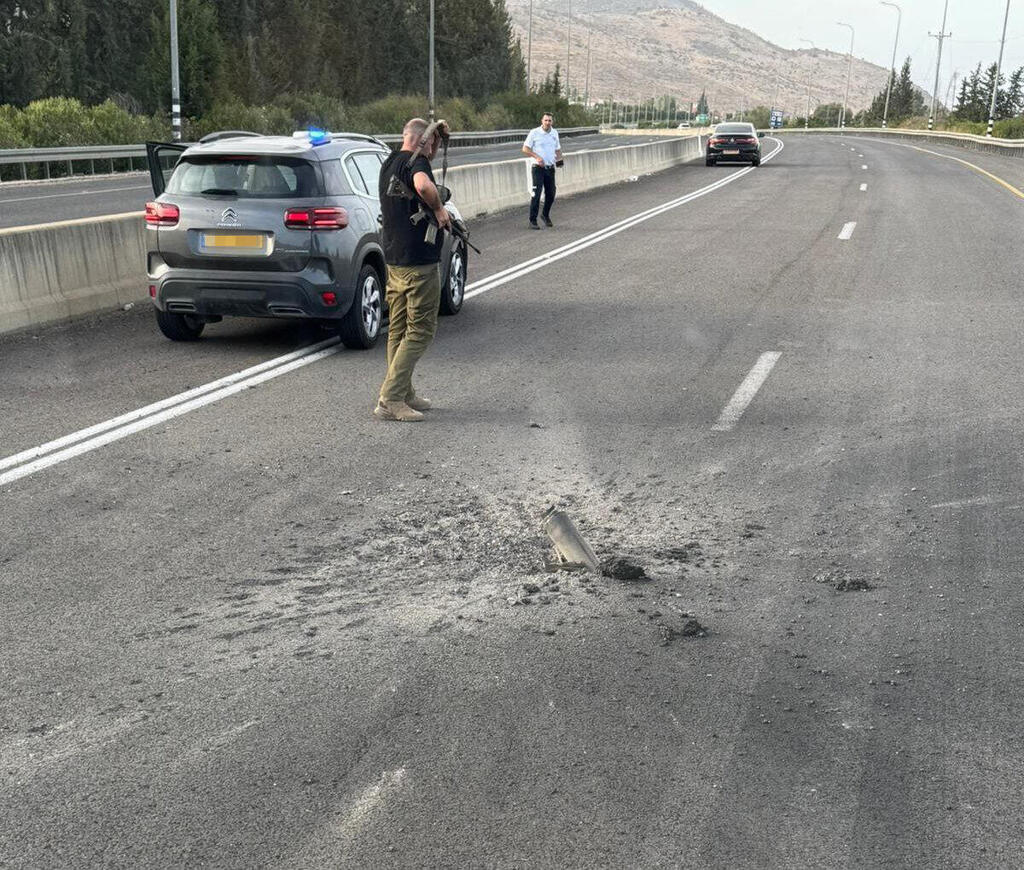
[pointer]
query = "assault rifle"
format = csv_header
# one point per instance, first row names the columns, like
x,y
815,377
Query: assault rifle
x,y
398,187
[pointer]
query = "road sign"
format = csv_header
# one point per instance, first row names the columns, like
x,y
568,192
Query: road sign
x,y
776,119
703,120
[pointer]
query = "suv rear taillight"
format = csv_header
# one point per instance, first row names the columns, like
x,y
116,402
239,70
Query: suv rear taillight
x,y
162,214
316,218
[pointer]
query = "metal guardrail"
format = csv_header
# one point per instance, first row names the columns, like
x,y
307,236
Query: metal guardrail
x,y
81,154
1008,147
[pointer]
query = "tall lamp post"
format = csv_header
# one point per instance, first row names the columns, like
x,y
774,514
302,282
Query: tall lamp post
x,y
892,69
940,36
175,83
529,50
999,69
568,52
430,74
849,73
807,114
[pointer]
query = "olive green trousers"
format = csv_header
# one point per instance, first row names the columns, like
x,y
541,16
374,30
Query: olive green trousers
x,y
414,294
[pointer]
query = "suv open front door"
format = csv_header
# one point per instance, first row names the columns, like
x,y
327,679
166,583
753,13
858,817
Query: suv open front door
x,y
162,157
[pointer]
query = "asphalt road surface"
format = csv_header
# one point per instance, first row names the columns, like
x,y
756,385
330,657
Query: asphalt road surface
x,y
82,197
273,632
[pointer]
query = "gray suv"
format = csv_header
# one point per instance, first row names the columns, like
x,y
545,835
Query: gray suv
x,y
275,226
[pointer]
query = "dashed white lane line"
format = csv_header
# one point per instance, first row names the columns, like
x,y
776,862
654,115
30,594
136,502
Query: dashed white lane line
x,y
865,166
847,230
863,187
746,391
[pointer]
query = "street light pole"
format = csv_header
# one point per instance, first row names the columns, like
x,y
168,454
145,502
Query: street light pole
x,y
590,34
849,73
807,114
940,36
999,69
175,83
892,70
529,50
568,52
430,75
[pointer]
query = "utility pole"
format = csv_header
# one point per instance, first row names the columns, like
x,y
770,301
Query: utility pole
x,y
590,33
807,114
999,69
892,70
568,50
529,51
175,83
941,35
951,90
430,76
849,73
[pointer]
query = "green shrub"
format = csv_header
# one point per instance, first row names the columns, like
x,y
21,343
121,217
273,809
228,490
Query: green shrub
x,y
313,110
271,120
115,126
57,121
10,128
387,115
1011,128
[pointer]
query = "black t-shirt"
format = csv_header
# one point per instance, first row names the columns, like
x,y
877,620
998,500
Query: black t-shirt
x,y
404,243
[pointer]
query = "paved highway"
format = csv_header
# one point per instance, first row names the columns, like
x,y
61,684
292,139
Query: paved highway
x,y
36,203
271,631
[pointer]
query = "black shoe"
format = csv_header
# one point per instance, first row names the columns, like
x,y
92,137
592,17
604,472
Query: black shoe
x,y
534,226
547,222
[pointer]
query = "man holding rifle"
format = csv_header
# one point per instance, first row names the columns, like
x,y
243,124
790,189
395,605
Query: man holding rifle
x,y
412,251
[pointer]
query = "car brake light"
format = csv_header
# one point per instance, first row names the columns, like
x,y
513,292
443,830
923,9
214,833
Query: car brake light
x,y
329,298
316,218
162,214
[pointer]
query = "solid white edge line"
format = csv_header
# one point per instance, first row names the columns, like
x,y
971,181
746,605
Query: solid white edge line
x,y
131,416
154,419
746,391
143,418
847,231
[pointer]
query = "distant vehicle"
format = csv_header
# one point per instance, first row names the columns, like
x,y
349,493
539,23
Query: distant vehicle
x,y
734,141
684,126
275,226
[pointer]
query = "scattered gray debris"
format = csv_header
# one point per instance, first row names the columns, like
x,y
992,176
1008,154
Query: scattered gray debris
x,y
553,565
128,306
690,628
621,568
842,581
535,425
531,588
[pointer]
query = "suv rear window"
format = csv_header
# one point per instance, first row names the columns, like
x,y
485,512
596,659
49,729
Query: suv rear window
x,y
256,177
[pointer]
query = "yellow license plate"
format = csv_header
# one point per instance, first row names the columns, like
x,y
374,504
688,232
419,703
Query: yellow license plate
x,y
220,241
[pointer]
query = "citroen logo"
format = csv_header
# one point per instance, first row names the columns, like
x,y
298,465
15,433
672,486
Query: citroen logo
x,y
228,216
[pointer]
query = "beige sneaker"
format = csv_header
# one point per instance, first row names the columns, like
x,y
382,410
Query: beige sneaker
x,y
419,403
397,411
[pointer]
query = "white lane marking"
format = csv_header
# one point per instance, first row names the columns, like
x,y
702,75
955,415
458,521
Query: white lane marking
x,y
76,193
37,458
154,419
746,391
864,187
865,166
132,416
847,231
860,155
517,271
853,149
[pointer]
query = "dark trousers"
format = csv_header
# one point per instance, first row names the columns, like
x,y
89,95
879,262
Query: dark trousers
x,y
543,179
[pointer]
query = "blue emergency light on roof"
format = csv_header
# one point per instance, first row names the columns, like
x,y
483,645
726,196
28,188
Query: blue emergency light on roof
x,y
318,137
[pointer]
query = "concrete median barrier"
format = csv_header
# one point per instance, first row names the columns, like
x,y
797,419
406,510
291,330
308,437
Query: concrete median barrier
x,y
55,271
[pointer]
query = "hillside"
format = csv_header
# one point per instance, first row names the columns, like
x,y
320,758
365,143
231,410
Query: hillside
x,y
642,48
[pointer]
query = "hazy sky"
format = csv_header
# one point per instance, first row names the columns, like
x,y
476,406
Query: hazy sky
x,y
976,26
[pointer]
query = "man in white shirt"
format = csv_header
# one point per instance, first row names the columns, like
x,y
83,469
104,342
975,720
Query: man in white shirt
x,y
543,145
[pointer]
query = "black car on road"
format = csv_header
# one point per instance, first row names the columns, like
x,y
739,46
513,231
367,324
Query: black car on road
x,y
734,141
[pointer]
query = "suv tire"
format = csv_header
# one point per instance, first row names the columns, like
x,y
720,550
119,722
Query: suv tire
x,y
360,328
179,327
453,288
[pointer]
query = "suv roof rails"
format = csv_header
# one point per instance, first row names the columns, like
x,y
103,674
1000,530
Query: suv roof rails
x,y
362,136
227,134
